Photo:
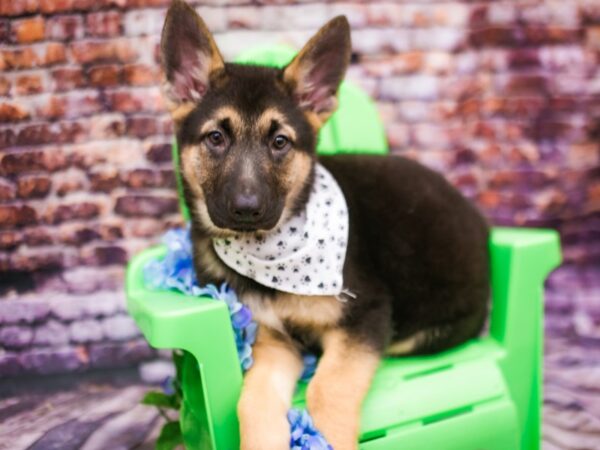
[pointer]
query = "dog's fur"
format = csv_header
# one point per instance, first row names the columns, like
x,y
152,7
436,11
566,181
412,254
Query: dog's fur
x,y
417,255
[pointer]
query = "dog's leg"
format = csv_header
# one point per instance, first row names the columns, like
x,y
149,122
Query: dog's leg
x,y
336,392
267,393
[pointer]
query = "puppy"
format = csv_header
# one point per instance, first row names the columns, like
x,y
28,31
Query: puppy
x,y
350,256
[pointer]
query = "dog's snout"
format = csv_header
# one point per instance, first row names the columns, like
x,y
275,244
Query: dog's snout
x,y
246,207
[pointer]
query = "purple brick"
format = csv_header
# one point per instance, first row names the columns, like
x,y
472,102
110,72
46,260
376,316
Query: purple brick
x,y
145,206
68,308
83,280
112,355
22,311
14,336
155,372
120,328
85,331
52,333
51,361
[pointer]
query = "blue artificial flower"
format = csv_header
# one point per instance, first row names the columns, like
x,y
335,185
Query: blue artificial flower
x,y
168,385
241,318
304,435
310,366
155,275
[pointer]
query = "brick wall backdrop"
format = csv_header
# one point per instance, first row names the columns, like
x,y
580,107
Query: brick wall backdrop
x,y
502,96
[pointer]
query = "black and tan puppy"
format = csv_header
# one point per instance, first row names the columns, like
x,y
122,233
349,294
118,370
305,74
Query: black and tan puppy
x,y
416,261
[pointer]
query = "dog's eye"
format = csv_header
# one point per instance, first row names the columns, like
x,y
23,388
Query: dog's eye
x,y
216,138
280,142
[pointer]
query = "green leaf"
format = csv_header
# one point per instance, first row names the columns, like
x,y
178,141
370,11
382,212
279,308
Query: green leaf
x,y
159,399
170,437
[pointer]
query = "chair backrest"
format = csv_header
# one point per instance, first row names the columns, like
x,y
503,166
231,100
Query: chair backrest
x,y
354,128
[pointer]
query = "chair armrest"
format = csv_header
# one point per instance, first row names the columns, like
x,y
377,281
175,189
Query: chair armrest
x,y
170,319
521,260
201,326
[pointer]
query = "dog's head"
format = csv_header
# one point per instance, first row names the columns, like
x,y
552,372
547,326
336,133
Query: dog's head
x,y
247,134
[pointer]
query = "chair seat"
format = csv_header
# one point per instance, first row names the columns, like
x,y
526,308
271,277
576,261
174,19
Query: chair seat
x,y
461,390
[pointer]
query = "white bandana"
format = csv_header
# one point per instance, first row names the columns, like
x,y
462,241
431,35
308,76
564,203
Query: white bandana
x,y
303,256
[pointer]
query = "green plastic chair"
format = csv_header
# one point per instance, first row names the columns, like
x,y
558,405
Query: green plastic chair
x,y
485,394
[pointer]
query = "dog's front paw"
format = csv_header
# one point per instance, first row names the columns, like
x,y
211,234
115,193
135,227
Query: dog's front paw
x,y
337,422
268,435
263,426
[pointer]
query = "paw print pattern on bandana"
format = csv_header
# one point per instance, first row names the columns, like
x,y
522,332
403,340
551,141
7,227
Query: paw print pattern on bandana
x,y
306,254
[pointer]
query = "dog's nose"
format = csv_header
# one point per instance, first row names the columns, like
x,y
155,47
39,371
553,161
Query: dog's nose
x,y
246,207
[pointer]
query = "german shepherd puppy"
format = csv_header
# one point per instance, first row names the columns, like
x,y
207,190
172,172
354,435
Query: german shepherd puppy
x,y
416,261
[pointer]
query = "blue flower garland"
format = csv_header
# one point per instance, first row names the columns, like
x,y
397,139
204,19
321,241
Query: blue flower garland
x,y
304,434
176,271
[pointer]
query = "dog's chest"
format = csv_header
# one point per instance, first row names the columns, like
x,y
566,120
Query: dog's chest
x,y
311,312
314,313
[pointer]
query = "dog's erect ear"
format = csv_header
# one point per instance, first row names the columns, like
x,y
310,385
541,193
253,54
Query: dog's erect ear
x,y
315,73
189,56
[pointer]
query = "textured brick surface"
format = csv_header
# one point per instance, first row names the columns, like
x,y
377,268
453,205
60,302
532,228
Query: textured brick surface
x,y
502,97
